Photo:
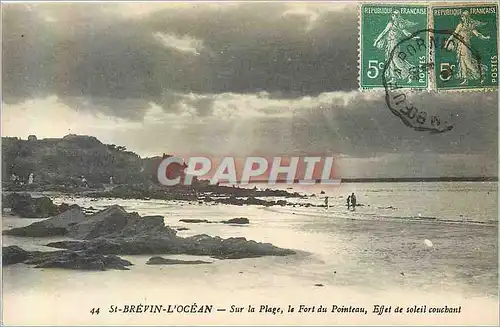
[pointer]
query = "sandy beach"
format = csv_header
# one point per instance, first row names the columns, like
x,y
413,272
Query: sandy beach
x,y
358,259
156,156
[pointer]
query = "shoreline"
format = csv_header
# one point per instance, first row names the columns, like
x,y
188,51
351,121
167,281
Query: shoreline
x,y
276,282
334,257
343,254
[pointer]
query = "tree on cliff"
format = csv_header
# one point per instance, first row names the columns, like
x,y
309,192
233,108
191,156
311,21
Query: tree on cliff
x,y
58,161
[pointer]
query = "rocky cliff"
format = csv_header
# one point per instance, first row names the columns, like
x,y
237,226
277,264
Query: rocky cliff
x,y
62,161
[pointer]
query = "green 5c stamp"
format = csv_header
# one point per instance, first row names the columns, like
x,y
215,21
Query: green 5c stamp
x,y
467,57
383,28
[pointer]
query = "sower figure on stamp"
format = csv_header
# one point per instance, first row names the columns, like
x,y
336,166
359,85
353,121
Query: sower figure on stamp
x,y
388,39
468,65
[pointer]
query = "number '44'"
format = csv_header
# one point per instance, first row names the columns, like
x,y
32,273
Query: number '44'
x,y
94,311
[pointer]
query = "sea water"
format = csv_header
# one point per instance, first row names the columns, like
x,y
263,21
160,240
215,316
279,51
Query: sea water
x,y
408,244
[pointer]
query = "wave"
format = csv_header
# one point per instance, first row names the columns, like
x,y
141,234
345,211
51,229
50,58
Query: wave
x,y
374,216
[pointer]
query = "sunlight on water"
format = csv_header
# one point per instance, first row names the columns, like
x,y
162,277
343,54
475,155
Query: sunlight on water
x,y
436,245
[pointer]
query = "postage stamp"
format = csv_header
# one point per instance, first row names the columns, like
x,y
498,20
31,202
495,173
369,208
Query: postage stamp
x,y
382,28
467,57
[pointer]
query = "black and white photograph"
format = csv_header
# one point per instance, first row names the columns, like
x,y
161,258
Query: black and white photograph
x,y
219,163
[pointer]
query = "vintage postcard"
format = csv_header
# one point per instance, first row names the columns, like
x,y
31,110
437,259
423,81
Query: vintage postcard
x,y
249,163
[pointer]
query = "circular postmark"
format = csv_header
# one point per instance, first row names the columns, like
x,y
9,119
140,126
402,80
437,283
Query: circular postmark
x,y
400,99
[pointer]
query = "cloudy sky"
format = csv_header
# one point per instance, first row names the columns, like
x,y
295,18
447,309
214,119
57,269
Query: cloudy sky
x,y
225,79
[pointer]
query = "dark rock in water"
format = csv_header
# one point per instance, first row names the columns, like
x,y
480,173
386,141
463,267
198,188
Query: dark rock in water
x,y
181,228
194,221
27,206
113,221
163,261
115,231
251,200
319,285
90,210
389,207
322,192
254,201
239,220
13,254
56,226
231,248
79,261
36,230
138,226
63,259
104,222
65,207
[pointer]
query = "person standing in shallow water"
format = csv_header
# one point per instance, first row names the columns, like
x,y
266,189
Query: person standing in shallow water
x,y
326,203
348,202
353,201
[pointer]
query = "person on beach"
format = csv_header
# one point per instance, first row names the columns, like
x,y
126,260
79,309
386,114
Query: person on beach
x,y
84,181
326,203
353,201
348,202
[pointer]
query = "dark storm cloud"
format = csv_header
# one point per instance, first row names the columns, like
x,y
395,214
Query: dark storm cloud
x,y
268,77
261,47
352,123
82,50
366,127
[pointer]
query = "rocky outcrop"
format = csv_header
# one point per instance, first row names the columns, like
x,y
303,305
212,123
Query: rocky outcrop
x,y
77,260
200,193
26,206
59,225
241,201
194,221
191,192
58,163
115,231
231,248
13,254
63,259
237,221
163,261
111,222
233,221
